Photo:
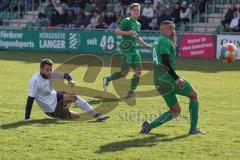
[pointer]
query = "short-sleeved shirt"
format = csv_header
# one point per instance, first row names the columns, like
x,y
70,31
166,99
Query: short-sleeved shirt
x,y
164,45
129,24
43,92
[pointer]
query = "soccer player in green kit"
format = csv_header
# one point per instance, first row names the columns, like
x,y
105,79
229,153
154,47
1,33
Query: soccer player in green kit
x,y
164,56
129,29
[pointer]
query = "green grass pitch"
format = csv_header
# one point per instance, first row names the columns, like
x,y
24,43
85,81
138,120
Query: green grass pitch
x,y
218,86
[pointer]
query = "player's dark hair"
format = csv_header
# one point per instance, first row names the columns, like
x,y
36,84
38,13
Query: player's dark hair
x,y
134,5
46,62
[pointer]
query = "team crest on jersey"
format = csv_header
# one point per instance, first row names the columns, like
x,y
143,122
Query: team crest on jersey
x,y
125,45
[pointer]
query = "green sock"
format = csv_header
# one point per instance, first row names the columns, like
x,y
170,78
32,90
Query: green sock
x,y
193,109
165,117
134,83
114,76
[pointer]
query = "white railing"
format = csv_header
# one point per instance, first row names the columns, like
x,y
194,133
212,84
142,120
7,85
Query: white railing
x,y
206,13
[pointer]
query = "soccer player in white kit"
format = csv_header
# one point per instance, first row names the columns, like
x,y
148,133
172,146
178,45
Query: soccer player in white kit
x,y
52,102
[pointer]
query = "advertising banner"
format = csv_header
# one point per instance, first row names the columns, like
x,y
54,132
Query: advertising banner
x,y
98,42
17,39
197,46
67,40
222,39
56,40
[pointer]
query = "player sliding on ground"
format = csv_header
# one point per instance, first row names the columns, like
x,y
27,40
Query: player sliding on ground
x,y
129,29
52,102
164,55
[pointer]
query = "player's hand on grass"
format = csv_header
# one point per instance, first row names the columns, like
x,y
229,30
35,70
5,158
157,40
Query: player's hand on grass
x,y
71,83
180,83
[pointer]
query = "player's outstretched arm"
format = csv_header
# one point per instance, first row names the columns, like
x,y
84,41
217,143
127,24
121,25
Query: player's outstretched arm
x,y
141,42
28,109
69,78
61,75
120,32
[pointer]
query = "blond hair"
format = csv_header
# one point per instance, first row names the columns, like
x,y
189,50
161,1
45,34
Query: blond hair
x,y
134,5
164,23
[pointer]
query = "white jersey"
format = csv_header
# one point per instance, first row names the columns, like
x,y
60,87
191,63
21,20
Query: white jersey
x,y
43,91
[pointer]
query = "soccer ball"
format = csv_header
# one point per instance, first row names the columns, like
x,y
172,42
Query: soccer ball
x,y
228,53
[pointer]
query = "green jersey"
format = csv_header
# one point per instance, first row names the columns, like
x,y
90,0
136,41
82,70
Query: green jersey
x,y
128,43
163,45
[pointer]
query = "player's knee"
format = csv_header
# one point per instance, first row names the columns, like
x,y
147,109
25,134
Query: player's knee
x,y
125,72
71,98
74,97
193,96
177,113
176,110
138,72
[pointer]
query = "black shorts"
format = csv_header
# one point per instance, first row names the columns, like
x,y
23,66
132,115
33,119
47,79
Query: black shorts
x,y
61,110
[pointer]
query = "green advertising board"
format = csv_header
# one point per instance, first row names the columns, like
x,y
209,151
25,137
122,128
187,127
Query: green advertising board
x,y
55,40
148,37
66,40
17,39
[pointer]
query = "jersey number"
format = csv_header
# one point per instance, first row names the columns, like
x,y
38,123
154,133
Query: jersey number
x,y
155,59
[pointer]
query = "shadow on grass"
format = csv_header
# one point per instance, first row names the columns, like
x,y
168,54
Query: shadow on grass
x,y
186,64
36,57
149,141
104,100
45,121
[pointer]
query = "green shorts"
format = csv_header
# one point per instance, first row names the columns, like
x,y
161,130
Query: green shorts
x,y
130,59
167,87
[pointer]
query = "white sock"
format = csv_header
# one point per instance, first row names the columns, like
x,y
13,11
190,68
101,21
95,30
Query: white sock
x,y
81,103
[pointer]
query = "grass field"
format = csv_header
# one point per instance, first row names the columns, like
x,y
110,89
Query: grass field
x,y
218,86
